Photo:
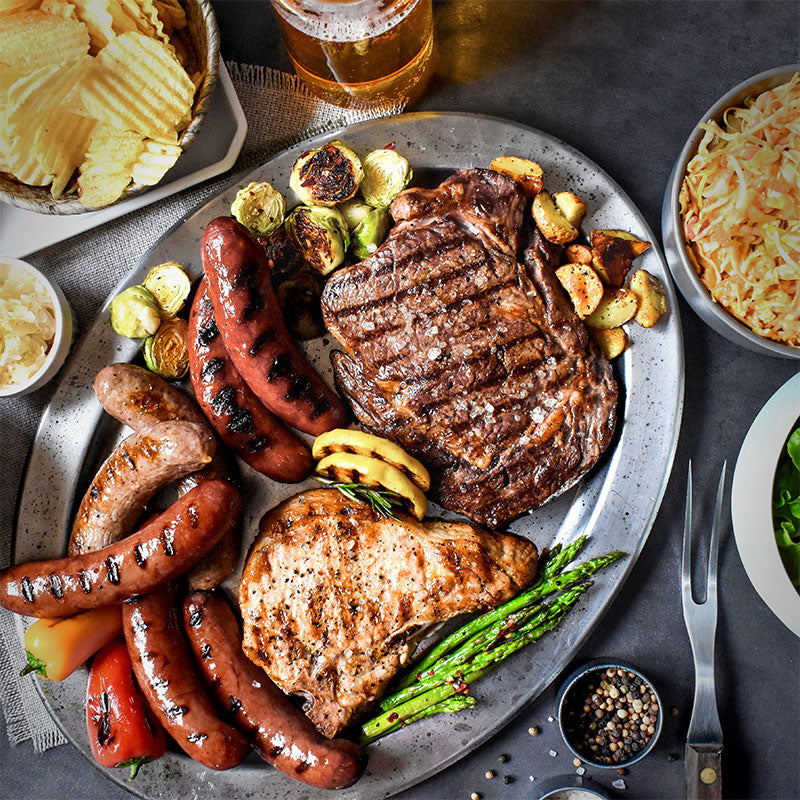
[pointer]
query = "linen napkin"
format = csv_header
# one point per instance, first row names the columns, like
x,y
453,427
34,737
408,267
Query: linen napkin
x,y
280,111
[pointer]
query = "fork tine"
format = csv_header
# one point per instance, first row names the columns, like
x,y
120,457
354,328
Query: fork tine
x,y
713,550
686,557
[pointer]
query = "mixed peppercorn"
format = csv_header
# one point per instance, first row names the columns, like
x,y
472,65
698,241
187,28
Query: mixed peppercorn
x,y
610,716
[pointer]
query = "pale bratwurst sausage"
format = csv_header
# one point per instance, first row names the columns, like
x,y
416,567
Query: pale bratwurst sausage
x,y
164,548
250,321
137,469
165,672
283,735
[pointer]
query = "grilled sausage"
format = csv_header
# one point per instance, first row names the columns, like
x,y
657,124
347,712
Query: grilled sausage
x,y
283,735
131,475
140,399
162,549
251,325
238,416
164,669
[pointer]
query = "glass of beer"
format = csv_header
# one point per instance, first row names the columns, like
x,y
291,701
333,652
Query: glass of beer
x,y
360,52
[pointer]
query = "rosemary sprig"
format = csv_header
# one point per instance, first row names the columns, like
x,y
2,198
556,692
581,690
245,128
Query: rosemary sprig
x,y
380,500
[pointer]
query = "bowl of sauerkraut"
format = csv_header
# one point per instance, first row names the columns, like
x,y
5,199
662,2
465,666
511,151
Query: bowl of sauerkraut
x,y
731,215
36,328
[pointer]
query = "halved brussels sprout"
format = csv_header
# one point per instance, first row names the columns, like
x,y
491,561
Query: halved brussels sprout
x,y
134,313
371,233
167,353
326,176
354,212
170,286
259,207
321,236
386,174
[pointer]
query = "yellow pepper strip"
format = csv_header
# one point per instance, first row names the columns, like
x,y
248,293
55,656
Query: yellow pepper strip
x,y
57,647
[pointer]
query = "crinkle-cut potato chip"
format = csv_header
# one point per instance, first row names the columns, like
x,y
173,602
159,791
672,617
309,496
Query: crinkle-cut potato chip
x,y
60,146
150,13
12,6
58,8
106,170
24,167
97,18
122,21
154,162
172,14
135,84
31,39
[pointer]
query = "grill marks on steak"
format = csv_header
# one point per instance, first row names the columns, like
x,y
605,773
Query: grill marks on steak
x,y
472,361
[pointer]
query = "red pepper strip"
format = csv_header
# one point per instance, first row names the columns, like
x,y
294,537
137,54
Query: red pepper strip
x,y
122,730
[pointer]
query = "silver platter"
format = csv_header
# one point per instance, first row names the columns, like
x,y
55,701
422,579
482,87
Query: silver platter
x,y
616,503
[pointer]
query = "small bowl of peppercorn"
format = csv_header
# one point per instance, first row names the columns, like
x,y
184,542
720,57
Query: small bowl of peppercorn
x,y
609,714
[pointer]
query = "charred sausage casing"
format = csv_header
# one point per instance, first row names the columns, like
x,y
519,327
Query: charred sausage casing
x,y
131,475
252,327
140,399
164,669
283,735
164,548
238,416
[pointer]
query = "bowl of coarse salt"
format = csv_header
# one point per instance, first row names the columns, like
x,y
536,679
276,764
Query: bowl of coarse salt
x,y
36,328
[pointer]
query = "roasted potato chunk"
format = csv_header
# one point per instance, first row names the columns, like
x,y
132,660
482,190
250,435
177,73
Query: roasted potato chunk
x,y
651,297
615,309
571,206
578,254
613,254
525,172
611,341
555,227
583,286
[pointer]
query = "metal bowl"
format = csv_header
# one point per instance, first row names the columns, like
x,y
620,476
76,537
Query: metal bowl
x,y
574,678
200,40
672,230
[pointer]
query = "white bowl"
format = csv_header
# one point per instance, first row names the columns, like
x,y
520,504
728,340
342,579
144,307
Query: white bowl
x,y
751,503
683,272
65,328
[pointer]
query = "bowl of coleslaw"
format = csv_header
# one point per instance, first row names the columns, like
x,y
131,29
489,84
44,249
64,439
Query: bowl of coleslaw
x,y
731,215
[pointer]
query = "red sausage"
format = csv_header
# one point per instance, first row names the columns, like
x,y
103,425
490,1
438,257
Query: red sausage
x,y
238,416
165,672
250,321
283,735
162,549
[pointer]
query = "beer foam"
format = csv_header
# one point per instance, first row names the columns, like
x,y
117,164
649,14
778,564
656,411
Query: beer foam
x,y
342,21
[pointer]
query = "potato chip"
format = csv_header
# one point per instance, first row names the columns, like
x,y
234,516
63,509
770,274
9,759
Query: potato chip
x,y
171,14
135,84
31,39
106,170
12,6
58,8
156,160
26,168
60,146
95,15
150,13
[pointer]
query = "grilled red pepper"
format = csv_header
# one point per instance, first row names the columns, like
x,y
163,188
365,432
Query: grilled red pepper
x,y
122,730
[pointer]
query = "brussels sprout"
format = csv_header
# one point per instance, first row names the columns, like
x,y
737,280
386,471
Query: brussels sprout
x,y
167,353
170,286
259,207
386,174
321,236
326,176
354,212
370,233
134,313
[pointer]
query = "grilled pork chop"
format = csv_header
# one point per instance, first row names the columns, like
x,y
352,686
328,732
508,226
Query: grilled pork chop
x,y
468,359
334,597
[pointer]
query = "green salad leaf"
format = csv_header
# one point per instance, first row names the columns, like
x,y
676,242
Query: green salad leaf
x,y
786,507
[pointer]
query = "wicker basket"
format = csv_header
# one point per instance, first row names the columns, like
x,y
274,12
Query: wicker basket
x,y
200,39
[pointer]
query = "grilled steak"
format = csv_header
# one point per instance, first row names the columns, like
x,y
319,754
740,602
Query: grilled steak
x,y
471,360
334,596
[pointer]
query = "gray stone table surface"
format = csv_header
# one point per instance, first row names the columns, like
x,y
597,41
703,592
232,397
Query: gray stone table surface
x,y
624,82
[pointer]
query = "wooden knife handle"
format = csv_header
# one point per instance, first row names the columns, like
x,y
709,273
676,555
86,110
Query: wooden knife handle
x,y
703,772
